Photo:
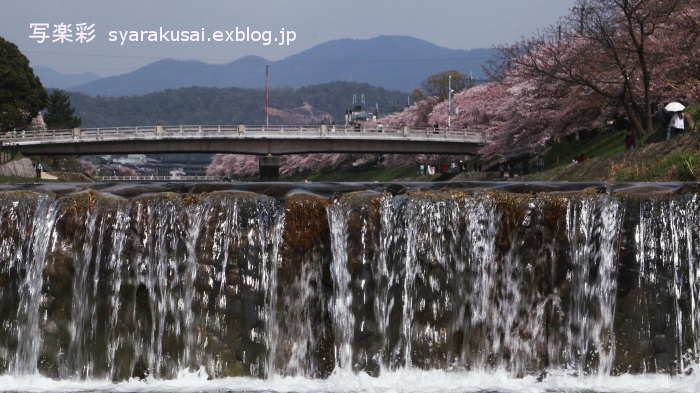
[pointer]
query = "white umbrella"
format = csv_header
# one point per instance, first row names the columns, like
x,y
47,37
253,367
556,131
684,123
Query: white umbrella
x,y
675,107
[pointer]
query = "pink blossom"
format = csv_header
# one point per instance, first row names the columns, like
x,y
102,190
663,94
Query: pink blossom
x,y
125,171
88,167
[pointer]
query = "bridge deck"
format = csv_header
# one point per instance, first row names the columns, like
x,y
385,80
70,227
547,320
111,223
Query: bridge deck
x,y
243,139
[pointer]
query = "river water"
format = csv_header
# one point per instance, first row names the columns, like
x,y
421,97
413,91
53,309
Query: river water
x,y
453,287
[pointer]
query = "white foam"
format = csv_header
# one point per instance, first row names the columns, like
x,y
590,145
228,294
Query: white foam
x,y
408,381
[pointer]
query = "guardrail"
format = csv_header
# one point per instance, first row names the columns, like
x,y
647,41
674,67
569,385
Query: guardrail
x,y
240,131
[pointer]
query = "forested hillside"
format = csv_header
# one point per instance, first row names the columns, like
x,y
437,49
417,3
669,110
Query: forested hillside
x,y
204,105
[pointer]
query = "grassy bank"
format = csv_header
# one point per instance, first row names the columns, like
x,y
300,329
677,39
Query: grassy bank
x,y
675,160
603,145
17,179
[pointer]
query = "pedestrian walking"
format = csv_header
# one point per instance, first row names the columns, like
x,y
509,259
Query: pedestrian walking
x,y
677,123
676,126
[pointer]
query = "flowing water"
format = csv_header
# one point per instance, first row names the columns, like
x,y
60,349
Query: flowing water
x,y
444,291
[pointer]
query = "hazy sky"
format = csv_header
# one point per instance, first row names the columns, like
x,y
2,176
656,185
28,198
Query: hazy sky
x,y
457,24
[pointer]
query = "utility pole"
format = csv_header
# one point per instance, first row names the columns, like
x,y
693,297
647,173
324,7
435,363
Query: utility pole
x,y
267,96
449,101
559,36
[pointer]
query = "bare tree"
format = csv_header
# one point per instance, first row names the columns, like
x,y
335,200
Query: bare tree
x,y
437,85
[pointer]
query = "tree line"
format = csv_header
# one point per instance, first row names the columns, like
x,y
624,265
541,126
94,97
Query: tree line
x,y
632,54
206,105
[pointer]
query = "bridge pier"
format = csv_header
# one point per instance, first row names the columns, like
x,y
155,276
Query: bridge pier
x,y
5,156
269,167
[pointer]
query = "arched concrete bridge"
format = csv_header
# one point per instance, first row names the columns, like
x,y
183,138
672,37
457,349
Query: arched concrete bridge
x,y
257,140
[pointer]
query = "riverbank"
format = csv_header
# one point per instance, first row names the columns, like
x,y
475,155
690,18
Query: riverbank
x,y
674,160
46,177
606,161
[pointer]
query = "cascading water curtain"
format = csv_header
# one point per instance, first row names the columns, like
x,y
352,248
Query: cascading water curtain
x,y
28,231
341,303
593,230
452,282
242,284
667,240
102,287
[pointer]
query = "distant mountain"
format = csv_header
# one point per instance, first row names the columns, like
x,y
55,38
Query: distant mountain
x,y
207,105
393,62
56,80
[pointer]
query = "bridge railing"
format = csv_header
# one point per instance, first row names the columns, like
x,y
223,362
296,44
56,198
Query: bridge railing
x,y
237,131
160,178
36,135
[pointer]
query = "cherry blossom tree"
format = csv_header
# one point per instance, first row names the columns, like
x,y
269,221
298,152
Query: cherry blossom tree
x,y
126,171
679,76
87,167
233,165
237,166
416,115
608,47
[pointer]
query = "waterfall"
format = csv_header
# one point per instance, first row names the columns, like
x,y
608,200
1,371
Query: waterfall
x,y
667,239
341,303
385,280
243,284
296,304
592,229
479,241
410,271
32,255
115,266
82,326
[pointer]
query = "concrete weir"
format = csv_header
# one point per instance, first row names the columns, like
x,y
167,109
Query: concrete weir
x,y
112,282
